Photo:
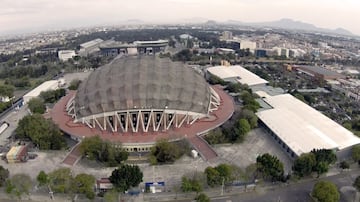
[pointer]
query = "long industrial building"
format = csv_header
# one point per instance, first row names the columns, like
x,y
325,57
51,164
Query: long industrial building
x,y
299,128
137,47
236,73
47,85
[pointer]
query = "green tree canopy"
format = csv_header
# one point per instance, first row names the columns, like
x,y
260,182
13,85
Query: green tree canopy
x,y
37,105
344,165
243,126
19,184
74,84
216,176
95,148
51,96
83,184
325,155
42,178
202,198
357,183
167,152
4,174
270,166
321,167
189,185
212,176
60,180
126,176
304,164
250,116
43,133
325,191
7,91
355,153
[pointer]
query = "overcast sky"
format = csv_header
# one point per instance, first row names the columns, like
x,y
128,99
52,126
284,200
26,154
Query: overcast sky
x,y
31,15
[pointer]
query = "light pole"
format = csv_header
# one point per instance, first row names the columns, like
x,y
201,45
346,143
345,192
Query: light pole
x,y
222,186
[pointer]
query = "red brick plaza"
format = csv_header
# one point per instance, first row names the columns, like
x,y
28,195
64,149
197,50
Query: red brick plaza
x,y
191,132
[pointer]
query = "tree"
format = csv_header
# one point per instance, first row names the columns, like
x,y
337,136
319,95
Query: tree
x,y
7,91
355,153
126,176
244,126
111,196
37,105
325,155
215,136
216,176
42,178
83,184
212,176
250,116
188,185
60,180
4,174
74,84
304,164
202,198
344,165
167,152
270,166
225,171
52,96
43,133
325,191
19,184
321,167
357,183
95,148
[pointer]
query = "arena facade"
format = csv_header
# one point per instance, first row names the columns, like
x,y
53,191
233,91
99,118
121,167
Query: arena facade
x,y
133,94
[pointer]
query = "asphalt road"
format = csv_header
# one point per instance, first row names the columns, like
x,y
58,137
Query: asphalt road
x,y
297,192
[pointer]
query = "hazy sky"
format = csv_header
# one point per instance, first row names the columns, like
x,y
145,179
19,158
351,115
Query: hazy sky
x,y
30,15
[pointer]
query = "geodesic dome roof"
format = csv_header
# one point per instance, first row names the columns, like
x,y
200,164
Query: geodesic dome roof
x,y
142,82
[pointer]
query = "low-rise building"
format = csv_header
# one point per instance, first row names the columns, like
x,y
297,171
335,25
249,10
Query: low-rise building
x,y
17,154
319,73
65,55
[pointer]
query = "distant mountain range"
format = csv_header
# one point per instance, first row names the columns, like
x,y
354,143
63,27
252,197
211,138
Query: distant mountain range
x,y
284,23
294,25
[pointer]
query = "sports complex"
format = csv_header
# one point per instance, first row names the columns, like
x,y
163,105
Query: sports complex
x,y
136,100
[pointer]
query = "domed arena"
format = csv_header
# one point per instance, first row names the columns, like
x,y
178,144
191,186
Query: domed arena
x,y
141,94
136,100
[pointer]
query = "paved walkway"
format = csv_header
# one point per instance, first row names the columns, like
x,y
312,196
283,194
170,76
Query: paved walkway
x,y
73,156
205,150
225,111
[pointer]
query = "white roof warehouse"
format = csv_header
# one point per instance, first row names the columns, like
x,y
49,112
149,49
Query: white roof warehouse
x,y
302,128
236,73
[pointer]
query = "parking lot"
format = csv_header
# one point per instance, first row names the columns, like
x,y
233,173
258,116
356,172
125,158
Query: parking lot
x,y
257,143
76,75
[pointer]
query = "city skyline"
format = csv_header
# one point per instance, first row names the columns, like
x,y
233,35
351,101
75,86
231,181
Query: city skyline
x,y
37,15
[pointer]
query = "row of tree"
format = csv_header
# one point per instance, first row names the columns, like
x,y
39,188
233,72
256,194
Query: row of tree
x,y
318,160
94,148
63,181
235,130
167,152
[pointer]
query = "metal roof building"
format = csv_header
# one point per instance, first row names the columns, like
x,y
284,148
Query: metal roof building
x,y
142,93
47,85
237,73
299,128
